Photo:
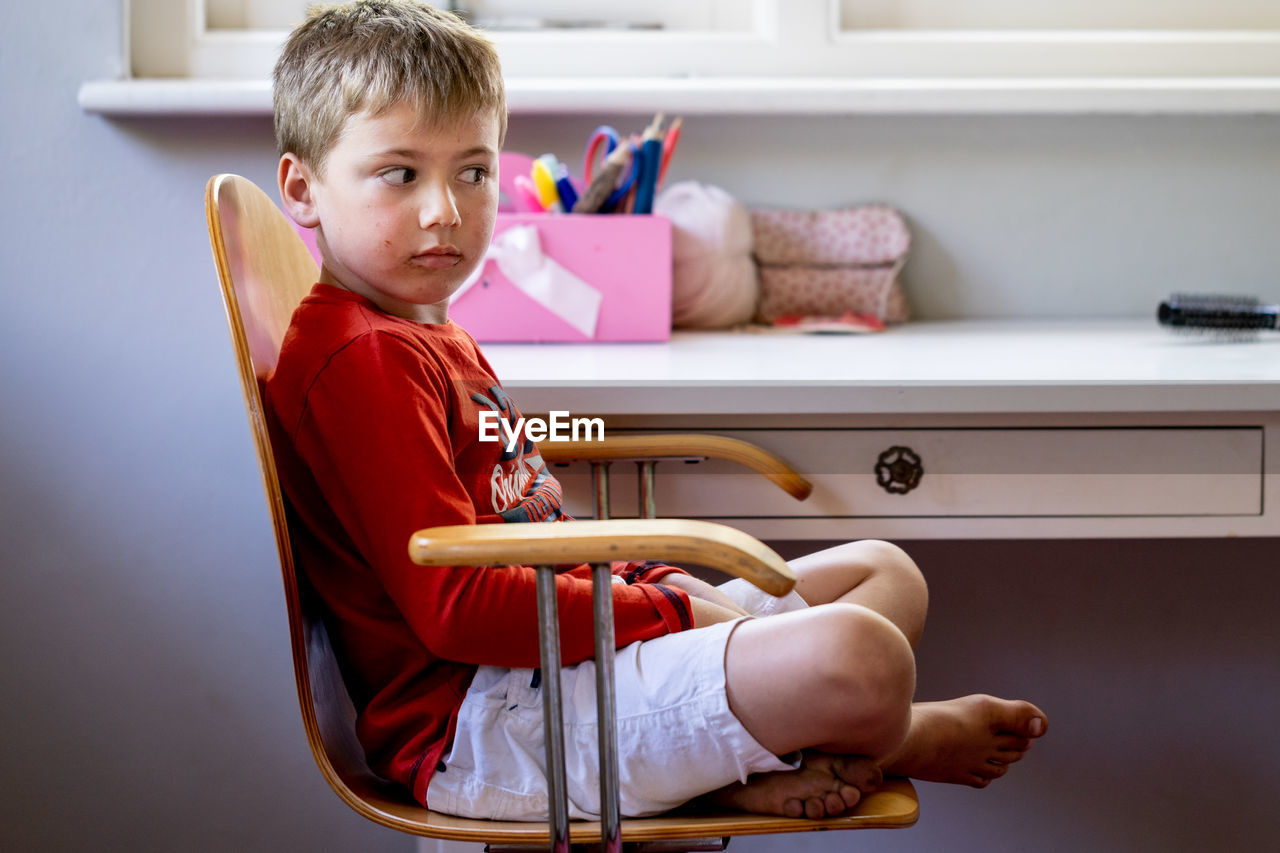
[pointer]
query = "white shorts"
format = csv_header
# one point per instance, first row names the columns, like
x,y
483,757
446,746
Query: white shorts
x,y
677,738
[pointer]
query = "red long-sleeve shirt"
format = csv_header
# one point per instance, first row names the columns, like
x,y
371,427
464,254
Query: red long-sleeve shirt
x,y
376,433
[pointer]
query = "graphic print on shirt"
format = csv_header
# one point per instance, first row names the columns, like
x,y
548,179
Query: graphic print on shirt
x,y
520,487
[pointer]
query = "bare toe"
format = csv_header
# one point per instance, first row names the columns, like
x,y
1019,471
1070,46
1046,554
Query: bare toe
x,y
813,808
812,791
991,770
1011,743
1021,718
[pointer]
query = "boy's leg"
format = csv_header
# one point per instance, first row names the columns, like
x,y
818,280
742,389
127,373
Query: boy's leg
x,y
838,678
791,693
869,572
970,740
843,705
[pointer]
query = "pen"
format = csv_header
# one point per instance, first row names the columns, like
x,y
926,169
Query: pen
x,y
669,144
565,189
527,195
544,182
650,165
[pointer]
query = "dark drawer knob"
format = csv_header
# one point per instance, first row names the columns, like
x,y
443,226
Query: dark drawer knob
x,y
898,470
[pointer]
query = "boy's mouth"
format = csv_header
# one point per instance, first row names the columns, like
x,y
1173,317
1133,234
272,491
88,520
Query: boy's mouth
x,y
440,257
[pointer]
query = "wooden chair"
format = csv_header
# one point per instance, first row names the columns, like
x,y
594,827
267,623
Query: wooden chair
x,y
265,270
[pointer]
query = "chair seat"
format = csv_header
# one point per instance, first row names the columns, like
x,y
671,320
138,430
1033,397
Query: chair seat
x,y
894,805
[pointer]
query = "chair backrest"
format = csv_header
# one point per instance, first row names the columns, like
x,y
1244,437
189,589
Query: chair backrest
x,y
265,270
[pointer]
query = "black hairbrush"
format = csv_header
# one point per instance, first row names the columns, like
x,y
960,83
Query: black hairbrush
x,y
1231,314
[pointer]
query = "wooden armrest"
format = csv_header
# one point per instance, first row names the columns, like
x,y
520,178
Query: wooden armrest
x,y
674,541
681,445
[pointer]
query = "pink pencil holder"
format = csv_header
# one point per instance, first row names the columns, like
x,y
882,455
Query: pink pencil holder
x,y
626,258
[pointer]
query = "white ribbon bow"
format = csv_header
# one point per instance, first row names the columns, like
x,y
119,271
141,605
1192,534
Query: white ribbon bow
x,y
518,254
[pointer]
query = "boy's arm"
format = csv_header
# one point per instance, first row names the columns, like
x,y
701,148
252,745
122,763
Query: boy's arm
x,y
699,592
707,604
375,435
709,613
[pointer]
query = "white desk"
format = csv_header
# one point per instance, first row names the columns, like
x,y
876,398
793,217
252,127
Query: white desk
x,y
1023,428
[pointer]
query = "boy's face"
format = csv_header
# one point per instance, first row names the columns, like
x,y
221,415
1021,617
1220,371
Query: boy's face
x,y
405,210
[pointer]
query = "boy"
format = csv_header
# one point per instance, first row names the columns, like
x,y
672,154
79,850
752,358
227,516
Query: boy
x,y
389,119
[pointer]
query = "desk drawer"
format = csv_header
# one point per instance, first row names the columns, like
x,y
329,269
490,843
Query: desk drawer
x,y
1030,472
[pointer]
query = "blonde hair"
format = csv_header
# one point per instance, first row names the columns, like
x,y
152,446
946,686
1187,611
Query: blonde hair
x,y
371,55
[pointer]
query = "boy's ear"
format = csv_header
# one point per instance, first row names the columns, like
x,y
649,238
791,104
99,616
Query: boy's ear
x,y
295,178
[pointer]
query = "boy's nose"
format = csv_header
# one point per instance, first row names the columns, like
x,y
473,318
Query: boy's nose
x,y
438,208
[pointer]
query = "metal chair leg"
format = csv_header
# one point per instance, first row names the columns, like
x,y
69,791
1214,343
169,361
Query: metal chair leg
x,y
552,712
600,489
606,702
606,710
606,698
648,499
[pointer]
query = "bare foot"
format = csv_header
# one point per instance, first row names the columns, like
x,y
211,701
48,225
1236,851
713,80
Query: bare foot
x,y
823,786
967,741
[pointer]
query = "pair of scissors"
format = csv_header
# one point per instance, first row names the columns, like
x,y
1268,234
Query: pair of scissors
x,y
609,138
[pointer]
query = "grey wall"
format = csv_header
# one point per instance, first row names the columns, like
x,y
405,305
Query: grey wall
x,y
1013,216
147,694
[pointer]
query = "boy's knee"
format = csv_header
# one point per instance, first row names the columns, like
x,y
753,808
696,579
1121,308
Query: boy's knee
x,y
890,559
910,591
867,673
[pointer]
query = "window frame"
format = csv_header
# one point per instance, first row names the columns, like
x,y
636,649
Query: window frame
x,y
795,59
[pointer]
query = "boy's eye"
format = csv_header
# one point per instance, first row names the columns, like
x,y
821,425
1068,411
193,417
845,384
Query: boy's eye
x,y
399,175
475,175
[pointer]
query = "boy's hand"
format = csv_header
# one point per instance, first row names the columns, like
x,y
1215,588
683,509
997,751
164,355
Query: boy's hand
x,y
709,604
705,613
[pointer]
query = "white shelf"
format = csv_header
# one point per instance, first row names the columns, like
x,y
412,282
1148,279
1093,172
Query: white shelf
x,y
756,96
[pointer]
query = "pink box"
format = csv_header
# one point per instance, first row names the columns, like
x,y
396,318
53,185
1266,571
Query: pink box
x,y
626,257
